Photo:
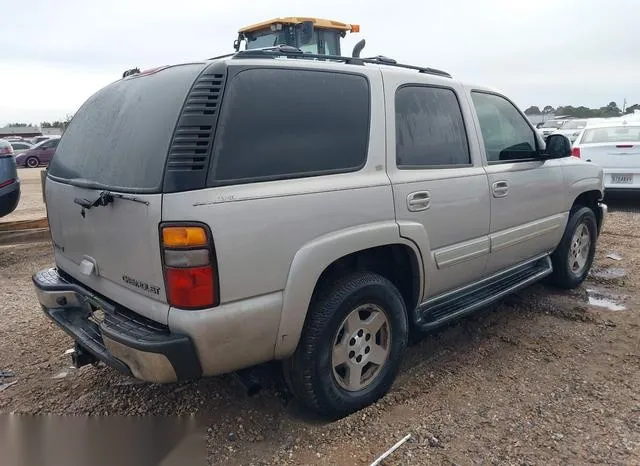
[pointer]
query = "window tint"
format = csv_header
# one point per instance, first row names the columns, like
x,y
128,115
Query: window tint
x,y
20,145
120,137
429,128
283,123
506,134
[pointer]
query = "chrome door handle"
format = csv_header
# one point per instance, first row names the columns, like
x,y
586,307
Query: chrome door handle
x,y
420,200
500,189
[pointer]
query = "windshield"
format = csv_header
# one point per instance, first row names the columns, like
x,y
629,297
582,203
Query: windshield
x,y
575,124
266,38
320,36
612,134
551,124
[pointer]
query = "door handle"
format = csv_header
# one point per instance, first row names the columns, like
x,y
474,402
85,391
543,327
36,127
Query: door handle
x,y
420,200
500,189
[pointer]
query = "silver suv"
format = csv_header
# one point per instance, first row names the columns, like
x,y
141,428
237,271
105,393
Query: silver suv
x,y
269,205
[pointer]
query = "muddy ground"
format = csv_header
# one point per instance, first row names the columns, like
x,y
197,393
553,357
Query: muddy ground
x,y
545,377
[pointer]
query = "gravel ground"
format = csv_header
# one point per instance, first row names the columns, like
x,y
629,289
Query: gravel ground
x,y
544,377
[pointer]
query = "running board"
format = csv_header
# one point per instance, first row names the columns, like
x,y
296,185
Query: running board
x,y
452,305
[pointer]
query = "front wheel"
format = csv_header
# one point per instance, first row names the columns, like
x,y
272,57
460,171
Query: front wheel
x,y
351,347
574,255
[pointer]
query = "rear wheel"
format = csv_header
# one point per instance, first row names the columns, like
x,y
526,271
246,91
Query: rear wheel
x,y
574,255
32,162
351,347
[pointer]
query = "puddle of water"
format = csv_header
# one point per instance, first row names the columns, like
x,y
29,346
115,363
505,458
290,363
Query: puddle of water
x,y
610,273
600,299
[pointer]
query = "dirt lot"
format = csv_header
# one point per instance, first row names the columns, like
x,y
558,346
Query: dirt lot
x,y
543,378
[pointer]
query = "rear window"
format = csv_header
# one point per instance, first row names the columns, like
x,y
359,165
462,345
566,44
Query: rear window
x,y
611,134
575,124
283,123
119,138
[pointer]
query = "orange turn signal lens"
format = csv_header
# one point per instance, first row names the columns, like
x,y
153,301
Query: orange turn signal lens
x,y
176,237
355,28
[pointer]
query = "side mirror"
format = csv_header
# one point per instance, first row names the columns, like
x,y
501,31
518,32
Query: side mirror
x,y
557,146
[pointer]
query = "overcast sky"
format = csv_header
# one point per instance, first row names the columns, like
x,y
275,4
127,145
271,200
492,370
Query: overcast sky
x,y
55,54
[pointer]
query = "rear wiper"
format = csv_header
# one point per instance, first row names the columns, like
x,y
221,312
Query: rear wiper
x,y
104,199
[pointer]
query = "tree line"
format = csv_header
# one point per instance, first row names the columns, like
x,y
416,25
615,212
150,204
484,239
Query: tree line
x,y
611,110
61,124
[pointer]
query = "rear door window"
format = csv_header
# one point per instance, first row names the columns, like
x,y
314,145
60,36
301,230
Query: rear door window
x,y
120,137
430,131
284,123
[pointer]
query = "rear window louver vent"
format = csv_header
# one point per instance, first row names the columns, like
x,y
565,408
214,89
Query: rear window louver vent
x,y
203,99
190,149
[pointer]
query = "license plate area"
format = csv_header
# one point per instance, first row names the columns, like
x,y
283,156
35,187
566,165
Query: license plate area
x,y
621,179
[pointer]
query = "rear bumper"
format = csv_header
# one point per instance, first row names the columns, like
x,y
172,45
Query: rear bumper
x,y
121,339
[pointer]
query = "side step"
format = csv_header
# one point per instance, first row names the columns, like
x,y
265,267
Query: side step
x,y
452,305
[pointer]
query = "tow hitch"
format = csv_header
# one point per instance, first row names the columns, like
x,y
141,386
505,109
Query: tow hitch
x,y
81,357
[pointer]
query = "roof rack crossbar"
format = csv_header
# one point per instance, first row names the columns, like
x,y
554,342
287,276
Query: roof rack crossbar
x,y
294,52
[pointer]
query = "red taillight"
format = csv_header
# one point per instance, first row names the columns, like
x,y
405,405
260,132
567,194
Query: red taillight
x,y
575,152
189,266
6,150
190,288
7,183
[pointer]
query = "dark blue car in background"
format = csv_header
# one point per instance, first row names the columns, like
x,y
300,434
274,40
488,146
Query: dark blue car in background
x,y
9,182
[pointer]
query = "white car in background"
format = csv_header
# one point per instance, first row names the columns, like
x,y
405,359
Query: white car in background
x,y
572,128
615,146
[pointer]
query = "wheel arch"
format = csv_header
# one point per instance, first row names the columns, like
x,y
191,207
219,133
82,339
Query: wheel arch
x,y
590,199
324,258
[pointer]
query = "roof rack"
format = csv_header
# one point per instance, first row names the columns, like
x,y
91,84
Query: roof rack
x,y
294,52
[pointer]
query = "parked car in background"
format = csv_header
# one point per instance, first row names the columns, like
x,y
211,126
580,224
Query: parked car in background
x,y
20,146
39,139
571,129
9,181
550,126
40,154
615,146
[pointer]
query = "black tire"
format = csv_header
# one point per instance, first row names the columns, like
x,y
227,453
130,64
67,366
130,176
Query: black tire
x,y
563,276
310,372
32,162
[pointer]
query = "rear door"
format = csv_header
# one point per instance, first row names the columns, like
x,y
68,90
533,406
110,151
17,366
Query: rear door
x,y
617,150
440,188
116,146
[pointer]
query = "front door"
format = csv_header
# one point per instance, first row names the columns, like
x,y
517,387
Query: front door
x,y
527,193
440,188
